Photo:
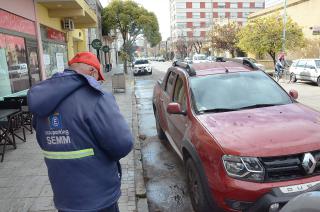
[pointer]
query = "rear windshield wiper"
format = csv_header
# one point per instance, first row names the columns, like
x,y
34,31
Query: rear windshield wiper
x,y
217,110
257,106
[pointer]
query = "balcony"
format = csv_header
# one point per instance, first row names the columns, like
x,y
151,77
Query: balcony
x,y
81,13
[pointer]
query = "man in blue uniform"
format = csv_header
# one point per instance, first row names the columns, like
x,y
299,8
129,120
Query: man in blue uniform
x,y
82,135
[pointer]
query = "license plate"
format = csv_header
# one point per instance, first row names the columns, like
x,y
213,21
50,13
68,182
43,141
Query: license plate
x,y
298,188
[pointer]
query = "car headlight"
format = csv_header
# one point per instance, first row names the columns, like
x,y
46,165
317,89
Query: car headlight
x,y
243,168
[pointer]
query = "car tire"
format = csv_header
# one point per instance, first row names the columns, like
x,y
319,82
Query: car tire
x,y
150,73
198,198
318,81
293,77
160,132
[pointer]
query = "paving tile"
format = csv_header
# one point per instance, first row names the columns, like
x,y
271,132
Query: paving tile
x,y
42,204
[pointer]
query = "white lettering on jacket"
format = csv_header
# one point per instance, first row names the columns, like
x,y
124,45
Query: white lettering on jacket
x,y
54,140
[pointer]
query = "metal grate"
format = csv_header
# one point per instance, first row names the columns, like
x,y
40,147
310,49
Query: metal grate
x,y
288,167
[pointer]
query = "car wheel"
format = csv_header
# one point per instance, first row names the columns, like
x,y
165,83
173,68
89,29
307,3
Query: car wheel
x,y
150,72
318,81
293,77
161,134
198,199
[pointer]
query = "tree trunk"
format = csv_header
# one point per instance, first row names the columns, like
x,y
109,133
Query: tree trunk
x,y
232,52
273,56
125,60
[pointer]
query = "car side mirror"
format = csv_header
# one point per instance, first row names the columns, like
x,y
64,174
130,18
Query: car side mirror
x,y
294,94
175,108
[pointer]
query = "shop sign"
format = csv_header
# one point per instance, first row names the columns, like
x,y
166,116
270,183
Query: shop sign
x,y
105,48
96,44
16,23
55,35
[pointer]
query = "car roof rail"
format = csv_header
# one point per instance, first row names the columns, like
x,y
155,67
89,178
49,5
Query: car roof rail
x,y
244,61
187,67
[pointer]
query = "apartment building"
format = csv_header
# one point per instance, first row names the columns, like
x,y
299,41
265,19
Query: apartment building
x,y
270,3
193,18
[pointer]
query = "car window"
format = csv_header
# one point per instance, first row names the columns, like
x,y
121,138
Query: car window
x,y
170,82
310,64
301,63
199,57
139,62
236,90
179,94
294,63
317,63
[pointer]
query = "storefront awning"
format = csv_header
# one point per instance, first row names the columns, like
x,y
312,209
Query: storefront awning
x,y
78,10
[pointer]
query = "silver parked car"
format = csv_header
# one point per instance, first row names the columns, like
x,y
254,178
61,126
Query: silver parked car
x,y
305,69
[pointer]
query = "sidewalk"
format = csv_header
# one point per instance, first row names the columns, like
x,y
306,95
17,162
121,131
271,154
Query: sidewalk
x,y
24,184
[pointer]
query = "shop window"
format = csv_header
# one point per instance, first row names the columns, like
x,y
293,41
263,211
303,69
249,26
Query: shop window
x,y
55,57
13,65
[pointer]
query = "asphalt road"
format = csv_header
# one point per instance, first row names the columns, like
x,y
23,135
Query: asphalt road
x,y
164,173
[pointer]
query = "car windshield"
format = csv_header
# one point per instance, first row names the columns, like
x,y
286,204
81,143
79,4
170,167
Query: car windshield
x,y
14,67
318,63
235,91
139,62
200,57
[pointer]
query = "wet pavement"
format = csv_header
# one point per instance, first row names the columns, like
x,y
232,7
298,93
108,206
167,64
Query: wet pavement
x,y
163,170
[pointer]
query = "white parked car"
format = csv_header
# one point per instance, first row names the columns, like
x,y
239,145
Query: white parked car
x,y
305,69
142,67
260,66
187,60
199,58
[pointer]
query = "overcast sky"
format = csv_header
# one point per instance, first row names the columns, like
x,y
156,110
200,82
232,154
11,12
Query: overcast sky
x,y
160,8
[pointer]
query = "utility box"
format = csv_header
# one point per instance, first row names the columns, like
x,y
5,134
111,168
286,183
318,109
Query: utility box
x,y
118,83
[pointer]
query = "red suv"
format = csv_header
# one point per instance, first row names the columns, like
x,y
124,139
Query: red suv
x,y
247,145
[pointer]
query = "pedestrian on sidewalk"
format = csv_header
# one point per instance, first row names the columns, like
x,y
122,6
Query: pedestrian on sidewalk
x,y
83,136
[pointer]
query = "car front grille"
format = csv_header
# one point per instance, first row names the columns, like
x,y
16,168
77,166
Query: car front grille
x,y
288,167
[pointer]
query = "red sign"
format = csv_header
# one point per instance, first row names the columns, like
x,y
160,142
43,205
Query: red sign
x,y
55,35
16,23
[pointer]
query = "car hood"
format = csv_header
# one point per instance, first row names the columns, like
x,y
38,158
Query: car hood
x,y
141,65
263,132
199,61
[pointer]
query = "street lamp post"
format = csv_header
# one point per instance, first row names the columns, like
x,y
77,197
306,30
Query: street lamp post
x,y
284,26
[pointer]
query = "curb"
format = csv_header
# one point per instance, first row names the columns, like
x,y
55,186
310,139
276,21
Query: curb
x,y
140,188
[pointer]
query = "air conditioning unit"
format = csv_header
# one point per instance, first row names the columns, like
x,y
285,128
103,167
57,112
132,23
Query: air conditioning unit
x,y
68,24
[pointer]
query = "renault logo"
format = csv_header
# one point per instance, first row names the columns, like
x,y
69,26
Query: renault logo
x,y
309,163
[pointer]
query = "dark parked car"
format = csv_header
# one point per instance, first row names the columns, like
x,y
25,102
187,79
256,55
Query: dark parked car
x,y
247,144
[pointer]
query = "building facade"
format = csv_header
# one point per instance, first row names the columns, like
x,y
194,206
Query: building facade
x,y
302,12
19,58
37,37
193,18
270,3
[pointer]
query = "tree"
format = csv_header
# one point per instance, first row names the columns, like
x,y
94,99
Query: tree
x,y
132,21
181,47
197,44
224,37
264,35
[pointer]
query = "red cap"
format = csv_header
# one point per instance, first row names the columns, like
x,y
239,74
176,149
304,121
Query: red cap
x,y
89,59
